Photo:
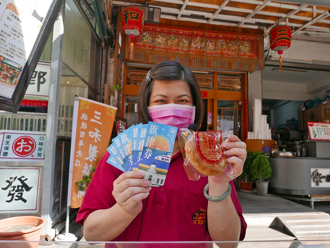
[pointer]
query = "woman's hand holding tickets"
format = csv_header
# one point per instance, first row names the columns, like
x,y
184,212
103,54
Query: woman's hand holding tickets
x,y
235,151
129,189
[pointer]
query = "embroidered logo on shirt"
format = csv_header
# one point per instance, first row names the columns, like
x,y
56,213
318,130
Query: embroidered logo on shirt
x,y
199,217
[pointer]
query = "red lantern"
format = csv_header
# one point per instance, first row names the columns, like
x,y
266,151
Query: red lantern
x,y
132,24
279,40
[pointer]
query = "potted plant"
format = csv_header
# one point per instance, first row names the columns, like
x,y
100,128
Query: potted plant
x,y
261,172
246,180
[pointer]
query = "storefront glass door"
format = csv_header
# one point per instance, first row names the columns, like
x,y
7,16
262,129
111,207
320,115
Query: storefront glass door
x,y
229,116
131,109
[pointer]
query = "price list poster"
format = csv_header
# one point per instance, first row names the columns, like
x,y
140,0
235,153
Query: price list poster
x,y
20,24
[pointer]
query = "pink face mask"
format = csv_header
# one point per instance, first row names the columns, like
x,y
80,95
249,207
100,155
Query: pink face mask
x,y
176,115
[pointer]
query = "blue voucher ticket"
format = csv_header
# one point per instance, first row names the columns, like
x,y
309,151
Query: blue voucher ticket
x,y
156,154
137,149
147,148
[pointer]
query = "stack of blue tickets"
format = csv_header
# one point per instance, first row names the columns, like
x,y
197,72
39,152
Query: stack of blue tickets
x,y
147,148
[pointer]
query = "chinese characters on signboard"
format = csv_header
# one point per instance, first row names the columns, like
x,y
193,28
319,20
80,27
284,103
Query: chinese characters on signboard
x,y
19,189
22,145
20,24
91,136
39,83
320,177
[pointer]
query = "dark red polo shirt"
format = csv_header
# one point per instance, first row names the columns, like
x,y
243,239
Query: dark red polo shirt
x,y
173,212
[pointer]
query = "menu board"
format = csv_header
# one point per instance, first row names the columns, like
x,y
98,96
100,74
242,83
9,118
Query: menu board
x,y
24,29
319,130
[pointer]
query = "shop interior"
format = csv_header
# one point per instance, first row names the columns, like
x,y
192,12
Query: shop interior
x,y
290,100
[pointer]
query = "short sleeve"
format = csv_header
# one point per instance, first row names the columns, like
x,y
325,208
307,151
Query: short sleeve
x,y
239,210
99,192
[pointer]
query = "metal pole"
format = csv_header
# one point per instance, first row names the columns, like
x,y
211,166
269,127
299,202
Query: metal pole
x,y
67,220
69,236
52,123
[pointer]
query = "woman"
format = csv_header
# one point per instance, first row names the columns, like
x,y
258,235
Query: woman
x,y
123,207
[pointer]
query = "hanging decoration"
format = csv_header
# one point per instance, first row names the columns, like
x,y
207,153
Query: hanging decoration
x,y
132,24
280,40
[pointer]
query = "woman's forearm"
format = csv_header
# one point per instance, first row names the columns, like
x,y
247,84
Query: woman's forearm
x,y
106,224
223,221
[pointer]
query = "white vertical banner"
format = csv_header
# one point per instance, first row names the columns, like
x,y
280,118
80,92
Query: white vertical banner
x,y
73,141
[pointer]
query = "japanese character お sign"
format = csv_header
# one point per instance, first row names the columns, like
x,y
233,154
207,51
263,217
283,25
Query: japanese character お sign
x,y
22,145
19,189
92,127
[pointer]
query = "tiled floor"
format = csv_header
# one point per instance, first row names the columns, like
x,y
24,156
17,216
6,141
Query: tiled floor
x,y
272,222
272,217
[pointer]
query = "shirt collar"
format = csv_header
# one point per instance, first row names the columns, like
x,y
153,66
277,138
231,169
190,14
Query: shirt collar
x,y
176,155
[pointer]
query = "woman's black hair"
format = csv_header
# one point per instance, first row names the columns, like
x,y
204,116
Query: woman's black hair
x,y
169,70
